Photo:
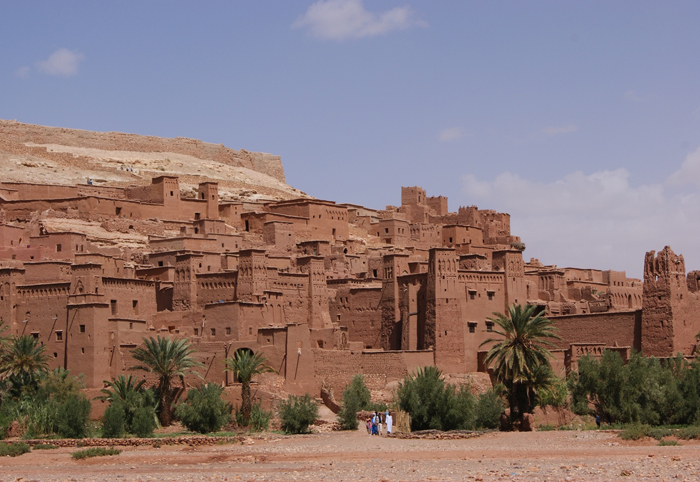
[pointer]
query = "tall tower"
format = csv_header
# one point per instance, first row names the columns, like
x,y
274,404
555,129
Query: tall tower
x,y
511,263
393,265
668,325
252,274
443,325
319,311
209,192
185,286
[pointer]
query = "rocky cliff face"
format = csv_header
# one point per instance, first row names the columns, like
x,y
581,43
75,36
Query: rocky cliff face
x,y
32,153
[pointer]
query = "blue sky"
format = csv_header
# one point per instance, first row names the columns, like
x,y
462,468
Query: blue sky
x,y
580,118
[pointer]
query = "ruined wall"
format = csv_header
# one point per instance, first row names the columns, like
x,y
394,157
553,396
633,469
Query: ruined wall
x,y
623,328
337,368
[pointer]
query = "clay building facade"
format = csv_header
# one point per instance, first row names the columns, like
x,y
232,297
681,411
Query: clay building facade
x,y
321,289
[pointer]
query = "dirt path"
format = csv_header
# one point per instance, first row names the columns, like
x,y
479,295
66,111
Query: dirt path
x,y
568,456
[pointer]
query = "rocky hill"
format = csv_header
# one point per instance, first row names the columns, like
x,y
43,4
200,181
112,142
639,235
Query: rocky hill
x,y
33,153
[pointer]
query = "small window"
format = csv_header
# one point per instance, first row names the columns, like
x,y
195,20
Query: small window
x,y
82,350
490,295
196,332
196,216
228,330
135,307
131,326
118,211
82,328
472,294
35,335
250,330
213,332
58,248
59,335
472,327
489,326
113,306
171,193
160,263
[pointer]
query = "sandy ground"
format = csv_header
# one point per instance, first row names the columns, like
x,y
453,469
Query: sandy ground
x,y
343,456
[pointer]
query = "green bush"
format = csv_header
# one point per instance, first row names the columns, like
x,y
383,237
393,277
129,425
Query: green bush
x,y
636,431
489,408
432,404
689,433
95,452
72,417
356,397
297,413
14,449
664,443
259,418
44,447
114,421
204,411
144,422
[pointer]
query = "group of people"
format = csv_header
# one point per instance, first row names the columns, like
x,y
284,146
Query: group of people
x,y
377,422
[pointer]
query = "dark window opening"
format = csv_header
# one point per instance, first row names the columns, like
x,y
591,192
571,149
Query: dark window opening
x,y
228,330
59,335
113,306
82,328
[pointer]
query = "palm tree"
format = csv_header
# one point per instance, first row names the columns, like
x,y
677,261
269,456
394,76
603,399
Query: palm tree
x,y
166,359
121,388
23,361
245,365
519,355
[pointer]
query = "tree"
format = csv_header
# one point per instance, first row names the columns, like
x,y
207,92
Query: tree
x,y
518,358
23,361
166,359
245,365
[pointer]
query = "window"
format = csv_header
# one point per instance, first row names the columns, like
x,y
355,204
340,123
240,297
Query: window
x,y
135,307
118,211
58,248
59,335
250,330
131,326
35,335
450,240
82,350
228,330
196,332
171,193
160,263
472,294
489,326
82,328
472,327
213,332
196,216
113,306
386,230
490,295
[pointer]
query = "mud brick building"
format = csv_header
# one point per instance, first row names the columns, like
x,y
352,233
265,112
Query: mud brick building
x,y
323,290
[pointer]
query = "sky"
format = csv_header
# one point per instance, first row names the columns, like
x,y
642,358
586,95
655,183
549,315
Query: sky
x,y
579,118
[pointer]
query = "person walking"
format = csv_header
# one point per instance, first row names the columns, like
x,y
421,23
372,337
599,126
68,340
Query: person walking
x,y
389,420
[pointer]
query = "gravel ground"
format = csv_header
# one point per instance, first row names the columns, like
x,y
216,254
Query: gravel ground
x,y
343,456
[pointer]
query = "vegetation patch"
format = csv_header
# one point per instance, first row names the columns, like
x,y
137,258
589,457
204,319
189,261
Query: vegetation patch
x,y
95,452
45,447
14,449
297,413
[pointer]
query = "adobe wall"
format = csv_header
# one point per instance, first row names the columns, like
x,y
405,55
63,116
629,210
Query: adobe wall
x,y
612,329
357,309
337,367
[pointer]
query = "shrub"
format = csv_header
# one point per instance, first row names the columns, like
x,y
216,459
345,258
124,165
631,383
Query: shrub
x,y
259,418
297,413
144,422
636,432
14,449
434,405
95,452
664,443
359,391
72,417
356,397
348,414
114,421
489,408
689,433
44,447
204,411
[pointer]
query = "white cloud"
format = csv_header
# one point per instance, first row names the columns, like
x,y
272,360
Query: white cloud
x,y
593,220
62,62
22,72
343,19
689,173
552,131
451,134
